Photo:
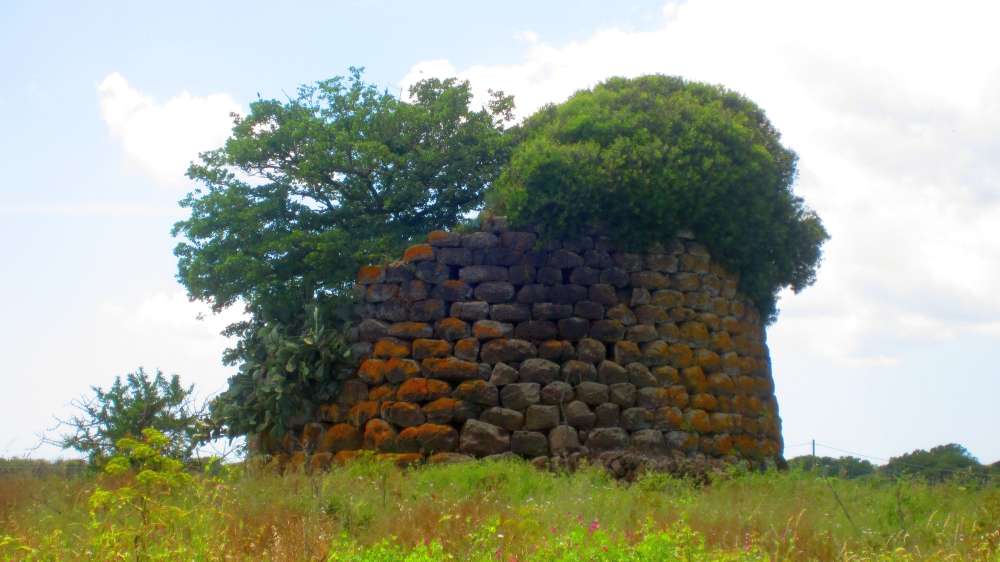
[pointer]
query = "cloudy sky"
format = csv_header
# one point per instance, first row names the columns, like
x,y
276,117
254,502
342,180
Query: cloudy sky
x,y
893,107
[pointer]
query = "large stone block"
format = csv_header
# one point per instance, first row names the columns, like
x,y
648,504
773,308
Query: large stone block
x,y
480,439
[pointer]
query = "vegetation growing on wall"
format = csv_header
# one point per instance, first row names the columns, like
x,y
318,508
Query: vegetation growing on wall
x,y
642,159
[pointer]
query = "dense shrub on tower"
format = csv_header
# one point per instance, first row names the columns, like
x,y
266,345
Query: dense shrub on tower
x,y
643,159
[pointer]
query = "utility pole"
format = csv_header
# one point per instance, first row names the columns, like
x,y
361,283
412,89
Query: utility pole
x,y
814,447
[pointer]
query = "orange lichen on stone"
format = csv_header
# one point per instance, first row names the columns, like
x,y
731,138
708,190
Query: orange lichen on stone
x,y
746,445
679,396
320,461
695,379
419,389
681,355
668,417
489,330
424,348
723,444
450,368
698,420
704,401
372,371
362,412
418,252
428,438
709,361
391,347
370,274
451,328
722,423
745,384
340,437
398,369
380,393
410,330
379,435
290,442
467,349
721,383
750,425
441,410
721,342
439,236
695,332
666,375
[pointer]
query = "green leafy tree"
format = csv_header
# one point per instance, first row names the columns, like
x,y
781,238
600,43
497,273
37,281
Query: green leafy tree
x,y
938,464
642,159
130,406
843,467
307,189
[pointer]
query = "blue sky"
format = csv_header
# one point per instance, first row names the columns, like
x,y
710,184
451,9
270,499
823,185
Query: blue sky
x,y
892,107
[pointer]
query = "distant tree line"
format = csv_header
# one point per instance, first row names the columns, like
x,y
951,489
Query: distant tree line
x,y
939,464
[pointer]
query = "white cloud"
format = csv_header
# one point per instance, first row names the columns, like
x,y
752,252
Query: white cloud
x,y
163,138
893,108
164,330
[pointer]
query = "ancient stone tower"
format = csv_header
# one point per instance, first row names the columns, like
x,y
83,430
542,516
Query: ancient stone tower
x,y
490,342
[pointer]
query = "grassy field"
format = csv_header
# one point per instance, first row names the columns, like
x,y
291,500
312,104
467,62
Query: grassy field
x,y
504,510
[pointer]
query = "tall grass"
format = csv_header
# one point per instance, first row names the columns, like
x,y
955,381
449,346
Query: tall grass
x,y
507,510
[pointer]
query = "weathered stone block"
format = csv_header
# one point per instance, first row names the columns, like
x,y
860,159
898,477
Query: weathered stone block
x,y
518,396
567,294
592,393
431,272
622,393
503,417
538,370
563,440
450,368
603,293
507,351
441,238
478,392
529,444
589,309
480,240
608,331
541,417
576,371
441,410
634,419
556,392
532,293
379,436
536,330
467,349
556,350
510,312
391,347
590,350
608,414
653,398
648,440
451,329
410,330
427,310
403,414
579,415
573,329
521,274
427,438
609,372
481,439
607,438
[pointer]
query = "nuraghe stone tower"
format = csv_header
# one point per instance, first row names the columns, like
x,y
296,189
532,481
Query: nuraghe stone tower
x,y
491,342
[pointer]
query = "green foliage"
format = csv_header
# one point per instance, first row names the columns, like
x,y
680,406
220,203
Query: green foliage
x,y
306,190
940,463
128,408
642,159
303,192
843,467
287,375
134,520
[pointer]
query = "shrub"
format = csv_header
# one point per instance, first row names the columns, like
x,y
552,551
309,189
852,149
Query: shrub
x,y
643,159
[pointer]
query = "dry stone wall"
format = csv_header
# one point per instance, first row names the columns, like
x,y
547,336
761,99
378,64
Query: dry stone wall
x,y
491,342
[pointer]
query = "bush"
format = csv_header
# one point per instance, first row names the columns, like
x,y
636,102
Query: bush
x,y
643,159
128,408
